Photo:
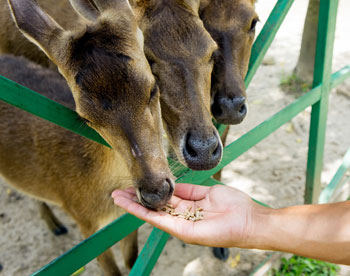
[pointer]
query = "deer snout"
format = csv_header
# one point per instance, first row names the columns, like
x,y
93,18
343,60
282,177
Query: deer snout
x,y
229,111
202,153
157,195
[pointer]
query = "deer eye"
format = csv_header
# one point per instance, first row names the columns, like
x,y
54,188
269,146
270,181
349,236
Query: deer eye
x,y
153,92
253,24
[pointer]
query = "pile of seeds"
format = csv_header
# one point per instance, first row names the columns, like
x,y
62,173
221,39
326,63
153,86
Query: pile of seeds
x,y
193,216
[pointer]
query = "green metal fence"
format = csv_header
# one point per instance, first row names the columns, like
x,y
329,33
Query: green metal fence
x,y
317,97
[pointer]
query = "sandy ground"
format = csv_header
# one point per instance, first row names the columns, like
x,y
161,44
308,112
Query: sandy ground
x,y
272,172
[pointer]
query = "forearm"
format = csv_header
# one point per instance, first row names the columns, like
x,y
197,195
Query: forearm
x,y
316,231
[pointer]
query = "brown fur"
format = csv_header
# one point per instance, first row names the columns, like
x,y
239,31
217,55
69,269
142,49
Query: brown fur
x,y
179,49
114,91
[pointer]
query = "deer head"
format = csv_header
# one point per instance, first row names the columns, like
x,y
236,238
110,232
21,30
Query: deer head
x,y
180,51
231,23
111,82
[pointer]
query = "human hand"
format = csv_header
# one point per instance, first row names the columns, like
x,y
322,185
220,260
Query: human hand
x,y
228,214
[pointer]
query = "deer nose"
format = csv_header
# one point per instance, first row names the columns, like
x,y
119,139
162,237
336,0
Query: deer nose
x,y
229,111
156,196
202,153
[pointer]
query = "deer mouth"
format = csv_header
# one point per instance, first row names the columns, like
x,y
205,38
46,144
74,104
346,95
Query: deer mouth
x,y
158,197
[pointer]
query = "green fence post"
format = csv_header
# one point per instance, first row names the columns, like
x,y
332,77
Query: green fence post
x,y
150,253
266,36
322,73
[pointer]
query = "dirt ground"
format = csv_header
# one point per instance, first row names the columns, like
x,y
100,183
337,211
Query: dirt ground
x,y
272,172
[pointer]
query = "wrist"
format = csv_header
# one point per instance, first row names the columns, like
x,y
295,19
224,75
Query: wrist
x,y
259,229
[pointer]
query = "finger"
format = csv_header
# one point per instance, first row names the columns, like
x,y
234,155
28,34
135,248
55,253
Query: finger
x,y
122,199
190,191
128,190
124,193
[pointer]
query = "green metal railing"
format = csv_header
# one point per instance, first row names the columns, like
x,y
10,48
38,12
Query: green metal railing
x,y
317,97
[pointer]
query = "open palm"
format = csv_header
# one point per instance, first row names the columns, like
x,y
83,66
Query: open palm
x,y
227,214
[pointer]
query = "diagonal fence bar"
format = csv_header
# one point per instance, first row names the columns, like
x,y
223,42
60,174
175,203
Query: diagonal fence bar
x,y
90,248
41,106
336,180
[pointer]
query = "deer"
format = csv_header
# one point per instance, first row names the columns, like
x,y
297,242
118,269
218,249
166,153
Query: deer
x,y
106,78
180,52
232,25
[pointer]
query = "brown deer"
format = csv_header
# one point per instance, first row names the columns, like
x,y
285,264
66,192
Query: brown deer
x,y
113,90
180,52
231,23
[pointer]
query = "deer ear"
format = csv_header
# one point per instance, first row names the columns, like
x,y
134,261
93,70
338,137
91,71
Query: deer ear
x,y
85,8
36,25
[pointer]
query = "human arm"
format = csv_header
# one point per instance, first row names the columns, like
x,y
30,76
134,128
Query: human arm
x,y
231,218
320,231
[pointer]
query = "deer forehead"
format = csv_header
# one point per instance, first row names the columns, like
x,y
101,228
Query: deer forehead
x,y
229,14
179,38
